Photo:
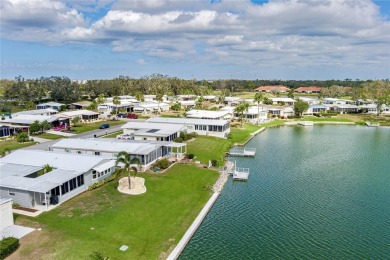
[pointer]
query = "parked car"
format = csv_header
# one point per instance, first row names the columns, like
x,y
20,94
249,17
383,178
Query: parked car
x,y
132,116
104,126
121,115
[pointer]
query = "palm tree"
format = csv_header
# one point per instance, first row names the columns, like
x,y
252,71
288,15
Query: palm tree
x,y
258,98
45,126
128,164
159,98
116,101
239,109
140,97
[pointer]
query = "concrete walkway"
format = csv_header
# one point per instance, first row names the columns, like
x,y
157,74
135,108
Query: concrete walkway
x,y
15,231
40,140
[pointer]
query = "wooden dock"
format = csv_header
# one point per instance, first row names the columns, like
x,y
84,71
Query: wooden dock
x,y
248,152
305,123
240,174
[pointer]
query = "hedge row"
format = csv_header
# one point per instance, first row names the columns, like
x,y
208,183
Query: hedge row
x,y
8,246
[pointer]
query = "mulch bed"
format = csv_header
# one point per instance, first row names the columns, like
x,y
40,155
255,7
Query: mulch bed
x,y
27,209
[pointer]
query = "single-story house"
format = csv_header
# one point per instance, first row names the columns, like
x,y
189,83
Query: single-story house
x,y
124,98
269,89
150,107
27,120
252,115
280,111
208,114
127,105
186,97
316,109
6,216
53,105
210,98
10,129
345,108
232,101
218,128
310,101
79,105
186,104
148,152
151,131
311,89
84,115
283,100
23,179
38,112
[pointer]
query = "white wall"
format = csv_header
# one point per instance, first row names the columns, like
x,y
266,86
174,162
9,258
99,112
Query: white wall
x,y
6,216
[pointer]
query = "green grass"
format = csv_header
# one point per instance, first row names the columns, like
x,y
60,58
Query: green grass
x,y
13,145
208,148
81,128
49,136
324,119
149,224
112,135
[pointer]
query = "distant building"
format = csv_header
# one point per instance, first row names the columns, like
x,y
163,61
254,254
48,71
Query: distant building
x,y
311,89
38,112
79,105
232,101
53,105
208,114
152,131
269,89
283,101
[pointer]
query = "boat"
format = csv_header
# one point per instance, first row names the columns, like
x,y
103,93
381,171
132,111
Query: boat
x,y
306,123
372,124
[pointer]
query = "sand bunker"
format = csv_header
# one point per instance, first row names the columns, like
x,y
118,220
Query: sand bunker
x,y
137,185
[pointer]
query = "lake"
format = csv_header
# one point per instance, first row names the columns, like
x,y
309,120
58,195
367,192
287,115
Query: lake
x,y
319,192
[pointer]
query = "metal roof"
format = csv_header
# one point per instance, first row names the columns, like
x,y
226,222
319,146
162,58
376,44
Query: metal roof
x,y
37,111
29,119
207,113
187,121
162,129
104,166
67,161
78,113
105,146
10,169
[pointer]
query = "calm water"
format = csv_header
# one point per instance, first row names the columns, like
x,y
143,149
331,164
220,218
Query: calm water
x,y
319,192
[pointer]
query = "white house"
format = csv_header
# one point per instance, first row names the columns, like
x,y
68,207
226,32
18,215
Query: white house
x,y
187,104
21,179
27,120
210,98
53,105
252,115
232,101
148,152
186,97
84,115
6,216
283,100
151,131
280,111
127,105
151,107
316,109
208,114
310,101
38,112
218,128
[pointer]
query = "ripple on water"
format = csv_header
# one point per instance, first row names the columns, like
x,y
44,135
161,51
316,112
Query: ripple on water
x,y
318,193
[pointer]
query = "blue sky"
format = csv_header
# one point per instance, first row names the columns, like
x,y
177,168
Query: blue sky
x,y
277,39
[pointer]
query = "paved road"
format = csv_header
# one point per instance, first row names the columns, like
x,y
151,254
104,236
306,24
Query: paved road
x,y
90,134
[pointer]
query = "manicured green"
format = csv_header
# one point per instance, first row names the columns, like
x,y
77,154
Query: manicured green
x,y
85,127
103,219
8,246
323,119
13,145
48,136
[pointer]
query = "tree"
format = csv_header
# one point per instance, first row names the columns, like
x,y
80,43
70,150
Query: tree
x,y
140,97
258,98
379,92
159,98
267,101
100,100
128,161
22,137
46,168
176,107
290,94
35,127
239,110
199,102
29,105
93,106
116,101
45,126
75,120
300,107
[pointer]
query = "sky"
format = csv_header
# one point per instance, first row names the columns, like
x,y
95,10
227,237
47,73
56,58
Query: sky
x,y
218,39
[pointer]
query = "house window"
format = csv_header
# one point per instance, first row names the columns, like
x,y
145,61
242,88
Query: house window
x,y
109,169
97,153
79,152
93,174
11,193
67,150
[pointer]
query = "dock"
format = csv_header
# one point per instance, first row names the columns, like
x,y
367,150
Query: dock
x,y
248,152
240,174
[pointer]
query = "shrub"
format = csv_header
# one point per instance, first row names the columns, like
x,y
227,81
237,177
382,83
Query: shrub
x,y
214,162
183,136
191,156
229,136
22,137
101,183
163,163
178,140
8,246
193,135
97,256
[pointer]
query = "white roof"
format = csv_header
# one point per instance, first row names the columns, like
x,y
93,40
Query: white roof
x,y
230,99
51,104
228,108
37,111
207,114
153,129
66,161
187,102
29,119
78,113
151,105
282,99
210,97
187,121
104,166
10,169
105,146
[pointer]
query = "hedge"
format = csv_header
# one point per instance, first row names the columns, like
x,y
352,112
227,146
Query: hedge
x,y
8,246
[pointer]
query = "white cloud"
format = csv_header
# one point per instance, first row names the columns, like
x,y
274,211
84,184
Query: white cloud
x,y
304,32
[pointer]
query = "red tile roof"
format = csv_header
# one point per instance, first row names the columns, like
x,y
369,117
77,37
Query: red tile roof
x,y
270,88
308,89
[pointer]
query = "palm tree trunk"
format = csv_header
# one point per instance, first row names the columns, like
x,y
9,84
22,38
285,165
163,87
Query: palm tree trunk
x,y
258,112
129,181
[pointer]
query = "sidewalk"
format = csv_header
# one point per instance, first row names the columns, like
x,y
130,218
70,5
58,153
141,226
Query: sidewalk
x,y
60,133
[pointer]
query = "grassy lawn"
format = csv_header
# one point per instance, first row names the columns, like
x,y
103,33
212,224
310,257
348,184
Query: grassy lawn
x,y
13,145
48,136
362,118
112,135
208,148
150,224
324,119
81,128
